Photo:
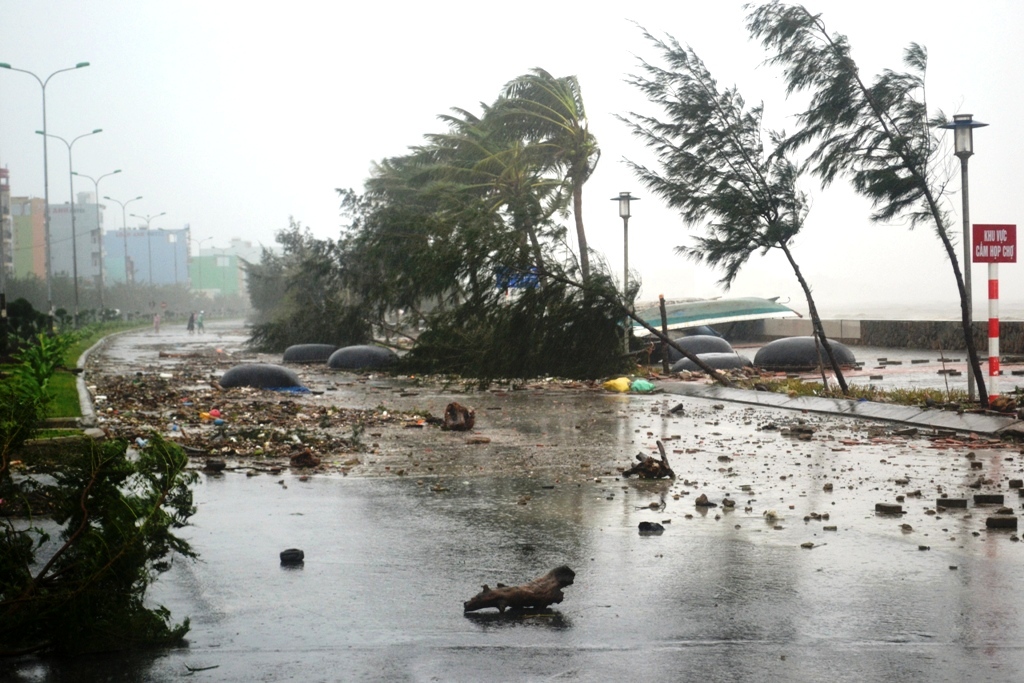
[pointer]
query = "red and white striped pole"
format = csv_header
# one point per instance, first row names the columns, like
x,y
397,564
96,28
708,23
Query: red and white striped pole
x,y
993,329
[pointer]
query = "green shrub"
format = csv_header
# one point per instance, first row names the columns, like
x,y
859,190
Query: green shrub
x,y
78,583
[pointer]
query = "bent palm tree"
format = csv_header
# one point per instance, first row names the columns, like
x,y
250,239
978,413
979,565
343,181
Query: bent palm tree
x,y
549,111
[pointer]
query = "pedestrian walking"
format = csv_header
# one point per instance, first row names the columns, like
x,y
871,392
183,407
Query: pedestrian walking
x,y
156,323
199,323
191,322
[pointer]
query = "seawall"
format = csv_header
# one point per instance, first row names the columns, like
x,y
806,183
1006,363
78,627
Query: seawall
x,y
941,335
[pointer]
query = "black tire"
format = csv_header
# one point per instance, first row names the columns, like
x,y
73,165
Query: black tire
x,y
697,343
362,357
308,353
260,376
718,361
799,354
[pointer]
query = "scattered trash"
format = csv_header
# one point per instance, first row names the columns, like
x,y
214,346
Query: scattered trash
x,y
620,385
642,386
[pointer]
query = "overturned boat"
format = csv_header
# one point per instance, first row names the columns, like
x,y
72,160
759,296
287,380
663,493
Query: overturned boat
x,y
686,314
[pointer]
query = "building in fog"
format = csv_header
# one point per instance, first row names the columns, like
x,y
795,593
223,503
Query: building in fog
x,y
157,256
6,224
84,247
221,271
29,237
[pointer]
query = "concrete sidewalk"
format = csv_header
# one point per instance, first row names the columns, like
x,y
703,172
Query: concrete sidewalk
x,y
910,415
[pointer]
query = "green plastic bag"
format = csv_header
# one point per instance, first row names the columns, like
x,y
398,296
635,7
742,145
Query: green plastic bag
x,y
642,386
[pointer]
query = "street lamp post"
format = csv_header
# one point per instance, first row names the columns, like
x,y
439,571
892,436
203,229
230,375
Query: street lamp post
x,y
149,241
963,126
46,175
71,183
624,199
124,230
99,231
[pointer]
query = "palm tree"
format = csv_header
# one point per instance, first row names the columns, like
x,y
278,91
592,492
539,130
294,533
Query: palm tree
x,y
491,161
549,112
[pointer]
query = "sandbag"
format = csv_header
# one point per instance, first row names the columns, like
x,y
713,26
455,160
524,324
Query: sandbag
x,y
799,354
259,376
718,361
308,353
362,357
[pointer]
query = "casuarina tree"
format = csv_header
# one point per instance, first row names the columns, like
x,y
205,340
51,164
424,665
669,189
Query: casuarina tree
x,y
714,168
876,132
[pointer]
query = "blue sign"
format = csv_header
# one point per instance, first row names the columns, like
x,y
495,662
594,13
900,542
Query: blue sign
x,y
508,278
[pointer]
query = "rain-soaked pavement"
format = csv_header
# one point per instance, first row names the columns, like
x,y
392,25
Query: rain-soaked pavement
x,y
722,595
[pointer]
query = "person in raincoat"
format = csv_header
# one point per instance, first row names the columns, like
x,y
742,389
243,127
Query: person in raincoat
x,y
191,327
199,323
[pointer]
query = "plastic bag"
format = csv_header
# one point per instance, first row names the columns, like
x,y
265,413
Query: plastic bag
x,y
620,385
642,386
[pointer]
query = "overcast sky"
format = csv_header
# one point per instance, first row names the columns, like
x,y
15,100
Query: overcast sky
x,y
233,117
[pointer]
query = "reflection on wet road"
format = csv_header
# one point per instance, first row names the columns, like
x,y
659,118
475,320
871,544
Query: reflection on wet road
x,y
720,596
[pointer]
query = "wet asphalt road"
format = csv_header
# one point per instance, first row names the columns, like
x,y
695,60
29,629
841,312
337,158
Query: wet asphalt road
x,y
719,596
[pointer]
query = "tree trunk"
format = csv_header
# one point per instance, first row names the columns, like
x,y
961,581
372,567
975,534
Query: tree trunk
x,y
715,374
539,593
819,329
581,235
965,322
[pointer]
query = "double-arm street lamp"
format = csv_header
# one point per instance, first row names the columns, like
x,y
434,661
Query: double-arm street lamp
x,y
71,183
124,232
99,231
624,199
149,241
963,126
46,176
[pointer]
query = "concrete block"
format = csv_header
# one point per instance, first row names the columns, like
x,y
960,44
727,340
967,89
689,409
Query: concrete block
x,y
988,499
1001,522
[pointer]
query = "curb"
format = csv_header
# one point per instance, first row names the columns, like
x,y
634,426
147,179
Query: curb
x,y
85,404
881,412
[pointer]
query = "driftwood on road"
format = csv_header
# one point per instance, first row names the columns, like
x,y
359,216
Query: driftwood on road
x,y
539,593
649,468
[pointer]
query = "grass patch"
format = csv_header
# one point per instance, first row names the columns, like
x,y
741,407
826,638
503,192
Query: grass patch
x,y
62,385
56,433
64,389
904,397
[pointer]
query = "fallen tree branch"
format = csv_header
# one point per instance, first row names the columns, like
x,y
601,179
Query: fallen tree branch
x,y
649,468
539,593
